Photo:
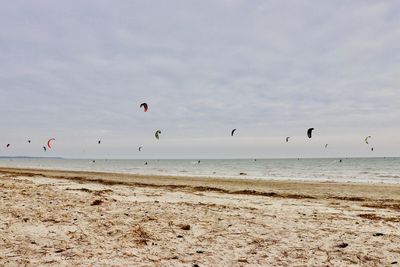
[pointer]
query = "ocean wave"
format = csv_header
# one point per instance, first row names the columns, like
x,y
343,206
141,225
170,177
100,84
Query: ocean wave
x,y
389,176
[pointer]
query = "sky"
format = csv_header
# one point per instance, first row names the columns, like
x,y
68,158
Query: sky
x,y
78,71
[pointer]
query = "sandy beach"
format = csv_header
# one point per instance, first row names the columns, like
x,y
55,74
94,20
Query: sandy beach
x,y
65,218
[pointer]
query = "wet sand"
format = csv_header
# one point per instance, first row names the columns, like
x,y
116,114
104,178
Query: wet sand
x,y
60,218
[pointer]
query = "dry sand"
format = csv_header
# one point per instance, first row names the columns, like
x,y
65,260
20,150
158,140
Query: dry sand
x,y
64,218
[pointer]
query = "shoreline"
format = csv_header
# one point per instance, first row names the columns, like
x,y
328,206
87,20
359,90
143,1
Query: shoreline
x,y
356,170
282,188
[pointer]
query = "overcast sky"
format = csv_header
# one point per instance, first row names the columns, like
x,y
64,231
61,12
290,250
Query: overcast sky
x,y
78,71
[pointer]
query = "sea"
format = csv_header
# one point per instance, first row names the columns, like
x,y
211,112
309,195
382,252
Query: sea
x,y
363,170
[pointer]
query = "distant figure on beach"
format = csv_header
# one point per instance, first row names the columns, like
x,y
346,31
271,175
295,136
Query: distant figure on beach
x,y
287,139
93,161
198,162
372,149
29,141
145,163
8,145
44,148
340,160
99,142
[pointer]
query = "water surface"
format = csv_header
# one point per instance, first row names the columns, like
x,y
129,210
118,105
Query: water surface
x,y
367,170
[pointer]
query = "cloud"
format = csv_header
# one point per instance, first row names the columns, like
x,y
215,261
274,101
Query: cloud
x,y
268,68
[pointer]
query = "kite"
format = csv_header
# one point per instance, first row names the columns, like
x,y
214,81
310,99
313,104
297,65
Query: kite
x,y
49,142
366,139
157,134
145,106
309,132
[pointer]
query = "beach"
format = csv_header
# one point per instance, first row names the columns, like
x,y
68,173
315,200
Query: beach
x,y
75,218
